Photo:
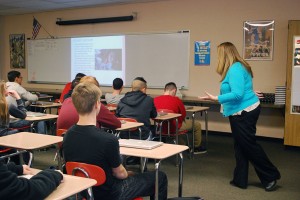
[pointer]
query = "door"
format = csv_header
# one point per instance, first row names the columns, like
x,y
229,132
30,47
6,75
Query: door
x,y
292,121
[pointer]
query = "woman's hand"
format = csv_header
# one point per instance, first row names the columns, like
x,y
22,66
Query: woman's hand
x,y
259,94
14,94
208,97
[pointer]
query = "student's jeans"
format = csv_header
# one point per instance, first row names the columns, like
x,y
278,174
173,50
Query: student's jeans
x,y
22,123
141,185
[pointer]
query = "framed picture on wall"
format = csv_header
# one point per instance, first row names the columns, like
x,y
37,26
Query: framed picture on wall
x,y
258,40
17,50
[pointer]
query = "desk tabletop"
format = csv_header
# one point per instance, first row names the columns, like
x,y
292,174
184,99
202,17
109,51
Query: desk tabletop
x,y
130,125
197,109
42,118
167,116
111,108
159,153
45,104
70,186
28,140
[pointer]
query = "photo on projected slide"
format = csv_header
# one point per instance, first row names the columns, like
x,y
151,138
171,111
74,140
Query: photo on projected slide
x,y
108,59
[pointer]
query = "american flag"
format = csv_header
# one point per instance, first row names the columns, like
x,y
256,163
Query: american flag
x,y
36,28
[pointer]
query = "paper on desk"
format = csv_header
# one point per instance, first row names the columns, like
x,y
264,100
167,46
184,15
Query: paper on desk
x,y
25,176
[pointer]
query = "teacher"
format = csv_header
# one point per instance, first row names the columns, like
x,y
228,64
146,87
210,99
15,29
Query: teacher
x,y
241,104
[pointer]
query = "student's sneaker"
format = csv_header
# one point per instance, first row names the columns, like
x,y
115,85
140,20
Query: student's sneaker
x,y
200,150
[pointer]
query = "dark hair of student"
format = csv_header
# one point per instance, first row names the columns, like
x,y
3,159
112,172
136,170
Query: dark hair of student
x,y
79,75
170,86
12,75
117,83
141,79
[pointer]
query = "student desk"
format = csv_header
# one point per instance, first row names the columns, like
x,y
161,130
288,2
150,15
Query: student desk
x,y
111,108
159,153
71,185
194,110
46,105
29,141
46,117
130,125
169,116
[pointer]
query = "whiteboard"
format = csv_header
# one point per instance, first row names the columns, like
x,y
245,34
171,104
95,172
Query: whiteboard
x,y
158,57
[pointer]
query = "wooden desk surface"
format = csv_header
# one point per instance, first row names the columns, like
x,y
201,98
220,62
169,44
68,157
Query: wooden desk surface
x,y
46,105
197,109
167,116
111,108
70,186
42,118
29,141
129,125
161,152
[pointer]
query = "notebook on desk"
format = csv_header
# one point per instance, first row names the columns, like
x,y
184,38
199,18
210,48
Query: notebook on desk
x,y
35,114
139,144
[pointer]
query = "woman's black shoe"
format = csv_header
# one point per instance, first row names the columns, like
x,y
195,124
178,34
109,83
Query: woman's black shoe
x,y
271,186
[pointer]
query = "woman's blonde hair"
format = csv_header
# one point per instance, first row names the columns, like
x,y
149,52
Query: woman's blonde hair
x,y
227,55
4,115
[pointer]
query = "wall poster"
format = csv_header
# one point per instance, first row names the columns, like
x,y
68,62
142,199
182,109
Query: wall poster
x,y
295,91
17,50
202,53
258,40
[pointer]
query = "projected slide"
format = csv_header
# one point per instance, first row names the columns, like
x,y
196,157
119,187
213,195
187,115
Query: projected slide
x,y
102,57
159,58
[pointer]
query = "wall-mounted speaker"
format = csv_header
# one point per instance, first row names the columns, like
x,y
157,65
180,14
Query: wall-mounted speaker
x,y
93,21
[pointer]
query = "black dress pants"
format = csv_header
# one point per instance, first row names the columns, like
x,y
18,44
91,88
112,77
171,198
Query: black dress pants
x,y
247,150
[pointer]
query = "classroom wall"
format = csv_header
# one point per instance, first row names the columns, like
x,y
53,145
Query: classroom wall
x,y
214,20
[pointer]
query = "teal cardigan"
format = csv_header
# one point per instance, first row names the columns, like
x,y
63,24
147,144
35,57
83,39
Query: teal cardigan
x,y
236,90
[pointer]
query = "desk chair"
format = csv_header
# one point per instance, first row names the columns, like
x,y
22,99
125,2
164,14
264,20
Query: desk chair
x,y
143,160
7,153
3,152
88,171
58,155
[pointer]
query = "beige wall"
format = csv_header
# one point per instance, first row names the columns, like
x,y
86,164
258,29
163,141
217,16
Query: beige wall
x,y
213,20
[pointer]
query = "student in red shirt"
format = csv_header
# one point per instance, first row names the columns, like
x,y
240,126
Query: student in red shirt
x,y
169,101
68,115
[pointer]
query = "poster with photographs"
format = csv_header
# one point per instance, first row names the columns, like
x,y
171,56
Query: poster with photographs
x,y
258,40
295,92
17,50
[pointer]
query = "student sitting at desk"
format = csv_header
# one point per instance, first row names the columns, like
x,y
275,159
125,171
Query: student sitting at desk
x,y
86,143
169,101
15,82
136,104
73,84
68,86
116,96
38,186
16,109
6,110
68,115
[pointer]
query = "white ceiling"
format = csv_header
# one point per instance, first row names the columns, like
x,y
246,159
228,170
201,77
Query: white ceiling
x,y
14,7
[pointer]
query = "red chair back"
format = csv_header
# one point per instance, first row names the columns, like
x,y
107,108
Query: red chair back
x,y
60,132
86,170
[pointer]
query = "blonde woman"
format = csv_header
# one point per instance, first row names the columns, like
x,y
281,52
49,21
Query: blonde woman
x,y
241,104
18,111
